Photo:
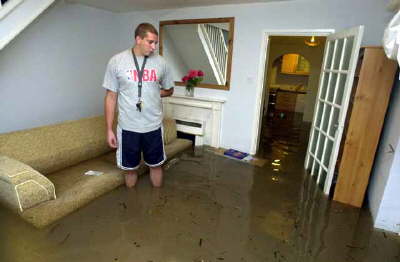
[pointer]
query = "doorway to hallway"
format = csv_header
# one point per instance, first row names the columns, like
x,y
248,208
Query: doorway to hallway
x,y
291,77
330,110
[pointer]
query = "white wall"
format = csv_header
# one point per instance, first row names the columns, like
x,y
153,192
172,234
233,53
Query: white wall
x,y
127,22
383,192
250,21
54,69
175,61
388,217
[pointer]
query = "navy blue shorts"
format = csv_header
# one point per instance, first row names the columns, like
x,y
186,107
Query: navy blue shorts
x,y
132,144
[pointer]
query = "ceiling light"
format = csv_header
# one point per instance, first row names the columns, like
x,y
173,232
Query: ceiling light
x,y
312,42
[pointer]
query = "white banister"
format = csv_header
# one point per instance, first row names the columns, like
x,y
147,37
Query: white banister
x,y
17,15
217,51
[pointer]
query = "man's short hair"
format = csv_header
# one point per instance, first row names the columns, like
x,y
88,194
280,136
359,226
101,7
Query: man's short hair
x,y
144,28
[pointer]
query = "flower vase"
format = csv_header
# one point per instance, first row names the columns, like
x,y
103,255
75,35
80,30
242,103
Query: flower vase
x,y
189,91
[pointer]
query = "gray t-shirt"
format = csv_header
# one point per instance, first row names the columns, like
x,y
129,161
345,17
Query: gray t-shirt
x,y
122,77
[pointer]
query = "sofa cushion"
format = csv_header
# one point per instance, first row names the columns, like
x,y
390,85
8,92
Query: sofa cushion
x,y
75,190
169,130
27,187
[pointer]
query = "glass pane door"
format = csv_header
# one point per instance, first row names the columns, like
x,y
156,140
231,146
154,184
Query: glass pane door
x,y
336,80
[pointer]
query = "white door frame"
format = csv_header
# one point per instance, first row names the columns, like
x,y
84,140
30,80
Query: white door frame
x,y
261,72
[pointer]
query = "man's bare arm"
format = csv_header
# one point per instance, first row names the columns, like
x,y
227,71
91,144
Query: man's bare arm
x,y
110,102
166,92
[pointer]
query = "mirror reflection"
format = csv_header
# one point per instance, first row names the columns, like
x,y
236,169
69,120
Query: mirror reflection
x,y
204,44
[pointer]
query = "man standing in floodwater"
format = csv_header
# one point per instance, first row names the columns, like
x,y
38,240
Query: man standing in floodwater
x,y
137,79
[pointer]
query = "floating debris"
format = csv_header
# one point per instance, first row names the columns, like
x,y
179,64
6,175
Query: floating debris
x,y
123,205
350,246
93,173
65,239
53,228
171,163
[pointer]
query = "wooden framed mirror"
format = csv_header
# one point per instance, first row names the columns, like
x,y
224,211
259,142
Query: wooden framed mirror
x,y
199,44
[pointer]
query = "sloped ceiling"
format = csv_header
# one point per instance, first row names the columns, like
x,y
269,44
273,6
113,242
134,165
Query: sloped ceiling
x,y
140,5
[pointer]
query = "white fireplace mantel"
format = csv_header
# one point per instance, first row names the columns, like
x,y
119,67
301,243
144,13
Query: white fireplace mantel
x,y
204,111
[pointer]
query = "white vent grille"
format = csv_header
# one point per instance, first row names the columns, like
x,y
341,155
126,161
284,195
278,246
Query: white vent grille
x,y
190,126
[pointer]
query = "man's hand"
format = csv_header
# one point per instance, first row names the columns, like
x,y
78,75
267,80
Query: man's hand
x,y
166,92
111,139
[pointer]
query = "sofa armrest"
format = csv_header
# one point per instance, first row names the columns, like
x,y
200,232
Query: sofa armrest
x,y
169,130
21,186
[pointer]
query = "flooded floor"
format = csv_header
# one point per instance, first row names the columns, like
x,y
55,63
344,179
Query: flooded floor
x,y
211,208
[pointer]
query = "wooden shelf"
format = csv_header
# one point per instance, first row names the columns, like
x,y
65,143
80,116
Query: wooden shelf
x,y
366,115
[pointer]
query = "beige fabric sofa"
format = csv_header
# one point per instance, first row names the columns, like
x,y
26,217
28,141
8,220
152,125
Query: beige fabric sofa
x,y
42,169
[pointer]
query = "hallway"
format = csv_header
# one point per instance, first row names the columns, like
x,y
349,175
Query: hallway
x,y
211,208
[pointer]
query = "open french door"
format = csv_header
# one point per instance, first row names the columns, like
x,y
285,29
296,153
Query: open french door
x,y
334,90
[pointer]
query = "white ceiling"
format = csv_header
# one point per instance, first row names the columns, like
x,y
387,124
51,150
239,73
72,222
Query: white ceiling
x,y
139,5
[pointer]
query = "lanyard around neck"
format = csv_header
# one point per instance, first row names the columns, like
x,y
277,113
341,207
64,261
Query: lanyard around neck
x,y
140,73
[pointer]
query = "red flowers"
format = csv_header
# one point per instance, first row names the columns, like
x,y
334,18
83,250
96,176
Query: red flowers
x,y
193,78
200,73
